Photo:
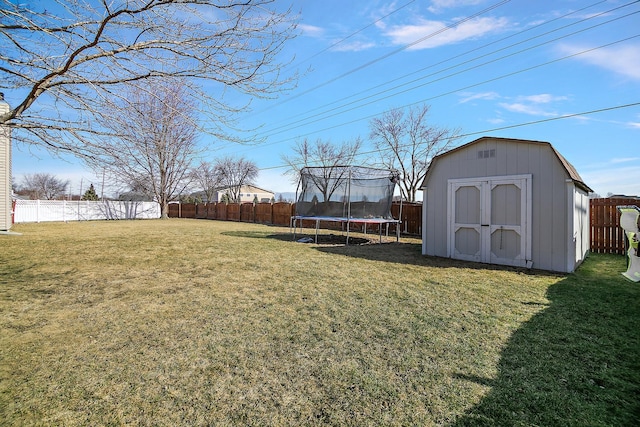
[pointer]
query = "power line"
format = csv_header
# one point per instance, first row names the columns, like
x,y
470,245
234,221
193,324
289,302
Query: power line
x,y
325,114
551,119
394,52
461,89
491,80
452,58
457,73
486,131
353,34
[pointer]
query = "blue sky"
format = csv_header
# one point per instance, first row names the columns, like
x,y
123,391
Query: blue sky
x,y
562,71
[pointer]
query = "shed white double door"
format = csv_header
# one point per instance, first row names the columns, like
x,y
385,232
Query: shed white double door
x,y
489,220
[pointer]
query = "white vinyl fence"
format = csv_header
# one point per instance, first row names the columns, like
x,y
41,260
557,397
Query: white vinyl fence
x,y
68,210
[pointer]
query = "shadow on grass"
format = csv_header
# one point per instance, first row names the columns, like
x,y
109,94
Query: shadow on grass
x,y
323,239
371,249
23,283
576,363
411,254
257,235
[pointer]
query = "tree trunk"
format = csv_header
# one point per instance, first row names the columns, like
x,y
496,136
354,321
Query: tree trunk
x,y
164,210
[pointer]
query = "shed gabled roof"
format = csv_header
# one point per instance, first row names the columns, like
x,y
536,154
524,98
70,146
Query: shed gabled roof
x,y
568,167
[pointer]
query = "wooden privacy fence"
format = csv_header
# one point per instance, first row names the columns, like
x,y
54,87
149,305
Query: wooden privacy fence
x,y
411,217
264,213
606,234
280,214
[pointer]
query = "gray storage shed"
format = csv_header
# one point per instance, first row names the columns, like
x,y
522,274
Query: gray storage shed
x,y
506,201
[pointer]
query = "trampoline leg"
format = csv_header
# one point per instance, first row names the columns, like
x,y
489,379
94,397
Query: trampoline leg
x,y
347,243
317,226
293,221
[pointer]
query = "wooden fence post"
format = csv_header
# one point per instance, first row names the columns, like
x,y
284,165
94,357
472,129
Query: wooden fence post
x,y
606,234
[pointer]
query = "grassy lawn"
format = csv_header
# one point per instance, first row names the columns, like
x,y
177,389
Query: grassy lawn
x,y
195,322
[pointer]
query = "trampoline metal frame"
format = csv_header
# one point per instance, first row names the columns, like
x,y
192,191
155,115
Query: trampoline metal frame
x,y
343,220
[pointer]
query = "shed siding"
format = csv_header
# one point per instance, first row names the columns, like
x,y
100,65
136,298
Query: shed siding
x,y
436,211
549,224
580,221
550,209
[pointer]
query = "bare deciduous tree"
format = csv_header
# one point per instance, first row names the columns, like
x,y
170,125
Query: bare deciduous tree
x,y
328,156
233,173
407,142
62,59
157,142
206,178
43,186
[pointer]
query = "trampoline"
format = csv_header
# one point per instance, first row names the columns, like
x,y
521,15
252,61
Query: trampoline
x,y
346,195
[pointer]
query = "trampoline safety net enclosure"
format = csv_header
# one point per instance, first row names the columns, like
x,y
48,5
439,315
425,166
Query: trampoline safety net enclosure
x,y
347,194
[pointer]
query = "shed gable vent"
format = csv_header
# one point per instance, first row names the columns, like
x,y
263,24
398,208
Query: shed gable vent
x,y
485,154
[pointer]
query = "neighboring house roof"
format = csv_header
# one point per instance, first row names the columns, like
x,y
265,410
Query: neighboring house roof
x,y
201,194
244,189
253,189
571,171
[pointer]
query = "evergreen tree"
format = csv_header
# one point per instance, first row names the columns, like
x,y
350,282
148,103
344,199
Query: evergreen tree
x,y
90,194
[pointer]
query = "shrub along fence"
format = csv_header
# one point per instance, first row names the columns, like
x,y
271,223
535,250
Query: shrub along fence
x,y
606,234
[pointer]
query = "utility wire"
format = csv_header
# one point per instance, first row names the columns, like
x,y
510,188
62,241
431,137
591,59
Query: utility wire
x,y
337,113
333,112
454,57
352,34
485,81
394,52
460,89
485,131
